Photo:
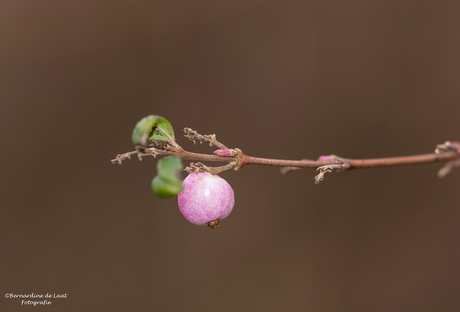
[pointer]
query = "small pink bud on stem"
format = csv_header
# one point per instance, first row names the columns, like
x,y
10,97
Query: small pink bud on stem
x,y
329,158
225,152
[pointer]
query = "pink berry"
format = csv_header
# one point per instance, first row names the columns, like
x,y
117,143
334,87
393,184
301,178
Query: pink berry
x,y
205,199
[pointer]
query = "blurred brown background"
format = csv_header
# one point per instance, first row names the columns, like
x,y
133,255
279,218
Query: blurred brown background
x,y
279,79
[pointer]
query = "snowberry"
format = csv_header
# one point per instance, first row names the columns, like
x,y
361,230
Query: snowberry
x,y
205,199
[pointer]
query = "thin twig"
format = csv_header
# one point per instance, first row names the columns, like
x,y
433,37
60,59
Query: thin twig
x,y
211,138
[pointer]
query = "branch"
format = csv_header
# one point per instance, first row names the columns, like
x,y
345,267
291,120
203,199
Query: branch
x,y
449,152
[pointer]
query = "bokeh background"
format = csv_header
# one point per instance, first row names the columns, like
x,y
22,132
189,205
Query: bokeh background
x,y
278,79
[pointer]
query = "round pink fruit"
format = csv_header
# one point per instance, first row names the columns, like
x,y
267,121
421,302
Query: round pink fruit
x,y
205,199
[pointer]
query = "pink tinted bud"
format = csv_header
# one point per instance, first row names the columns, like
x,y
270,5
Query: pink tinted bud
x,y
456,145
328,158
223,152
